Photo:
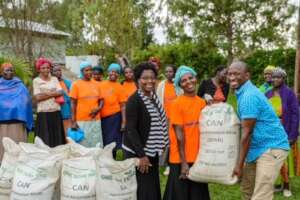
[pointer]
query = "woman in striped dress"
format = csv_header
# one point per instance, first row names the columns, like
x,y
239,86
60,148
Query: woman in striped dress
x,y
146,134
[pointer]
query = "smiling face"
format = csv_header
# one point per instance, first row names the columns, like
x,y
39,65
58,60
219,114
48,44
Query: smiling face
x,y
147,81
268,76
97,76
237,75
188,83
45,70
113,75
8,73
87,73
277,80
57,72
128,73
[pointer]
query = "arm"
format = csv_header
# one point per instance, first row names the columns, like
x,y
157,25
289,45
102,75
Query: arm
x,y
123,112
132,133
201,90
133,136
47,95
247,128
294,117
95,111
181,146
74,110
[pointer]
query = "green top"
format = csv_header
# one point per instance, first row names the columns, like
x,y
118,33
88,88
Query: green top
x,y
276,104
264,88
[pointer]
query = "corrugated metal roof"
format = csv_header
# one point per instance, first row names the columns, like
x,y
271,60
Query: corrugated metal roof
x,y
33,26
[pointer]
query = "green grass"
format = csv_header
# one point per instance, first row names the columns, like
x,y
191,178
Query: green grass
x,y
223,192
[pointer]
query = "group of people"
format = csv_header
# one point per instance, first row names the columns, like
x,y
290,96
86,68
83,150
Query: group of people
x,y
147,118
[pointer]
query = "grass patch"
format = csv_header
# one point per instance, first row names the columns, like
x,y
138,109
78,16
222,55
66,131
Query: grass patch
x,y
224,192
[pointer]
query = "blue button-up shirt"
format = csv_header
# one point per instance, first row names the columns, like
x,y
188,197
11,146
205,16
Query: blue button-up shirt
x,y
268,132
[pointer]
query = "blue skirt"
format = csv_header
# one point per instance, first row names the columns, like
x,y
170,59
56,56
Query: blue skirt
x,y
111,129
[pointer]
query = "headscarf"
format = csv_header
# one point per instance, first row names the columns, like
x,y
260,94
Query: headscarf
x,y
114,66
98,68
155,60
40,62
6,65
84,64
279,71
269,69
181,71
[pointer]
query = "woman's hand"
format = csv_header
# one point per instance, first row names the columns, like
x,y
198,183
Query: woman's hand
x,y
144,165
123,125
184,170
74,125
94,112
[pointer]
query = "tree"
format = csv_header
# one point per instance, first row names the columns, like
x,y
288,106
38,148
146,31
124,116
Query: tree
x,y
19,18
235,27
118,25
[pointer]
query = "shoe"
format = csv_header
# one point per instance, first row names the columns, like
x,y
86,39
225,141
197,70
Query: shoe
x,y
167,171
287,193
278,188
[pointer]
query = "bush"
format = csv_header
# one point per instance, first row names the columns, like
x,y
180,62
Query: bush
x,y
205,60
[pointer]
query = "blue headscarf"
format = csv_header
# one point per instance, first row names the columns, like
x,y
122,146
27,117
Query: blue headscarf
x,y
84,64
15,102
181,71
114,66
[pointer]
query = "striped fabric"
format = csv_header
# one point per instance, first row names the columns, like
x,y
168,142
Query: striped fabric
x,y
158,138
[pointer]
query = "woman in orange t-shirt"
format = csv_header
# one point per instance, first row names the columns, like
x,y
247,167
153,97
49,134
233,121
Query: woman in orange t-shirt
x,y
184,139
129,86
113,111
87,101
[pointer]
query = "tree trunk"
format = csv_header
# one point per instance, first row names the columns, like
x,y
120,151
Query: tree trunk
x,y
297,63
229,36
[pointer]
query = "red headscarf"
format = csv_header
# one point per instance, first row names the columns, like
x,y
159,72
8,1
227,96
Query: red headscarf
x,y
40,62
6,65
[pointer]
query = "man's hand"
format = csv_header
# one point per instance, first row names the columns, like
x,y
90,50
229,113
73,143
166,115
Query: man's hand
x,y
237,171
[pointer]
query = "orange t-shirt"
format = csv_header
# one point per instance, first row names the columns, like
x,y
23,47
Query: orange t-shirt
x,y
87,94
129,88
186,112
169,97
113,95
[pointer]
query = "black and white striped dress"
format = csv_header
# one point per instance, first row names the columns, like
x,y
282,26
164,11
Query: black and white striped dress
x,y
158,138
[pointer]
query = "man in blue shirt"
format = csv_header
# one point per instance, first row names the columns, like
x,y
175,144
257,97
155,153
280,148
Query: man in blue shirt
x,y
264,142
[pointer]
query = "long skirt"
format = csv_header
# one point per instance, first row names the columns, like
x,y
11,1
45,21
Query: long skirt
x,y
148,185
178,189
15,131
111,129
49,127
92,133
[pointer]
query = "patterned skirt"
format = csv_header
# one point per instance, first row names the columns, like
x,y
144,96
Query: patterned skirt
x,y
92,133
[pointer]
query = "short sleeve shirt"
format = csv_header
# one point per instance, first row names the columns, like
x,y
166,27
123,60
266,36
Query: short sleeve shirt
x,y
129,88
268,132
41,86
113,96
186,112
87,94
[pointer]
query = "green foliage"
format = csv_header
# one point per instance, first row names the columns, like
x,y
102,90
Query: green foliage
x,y
22,69
205,60
235,27
259,59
